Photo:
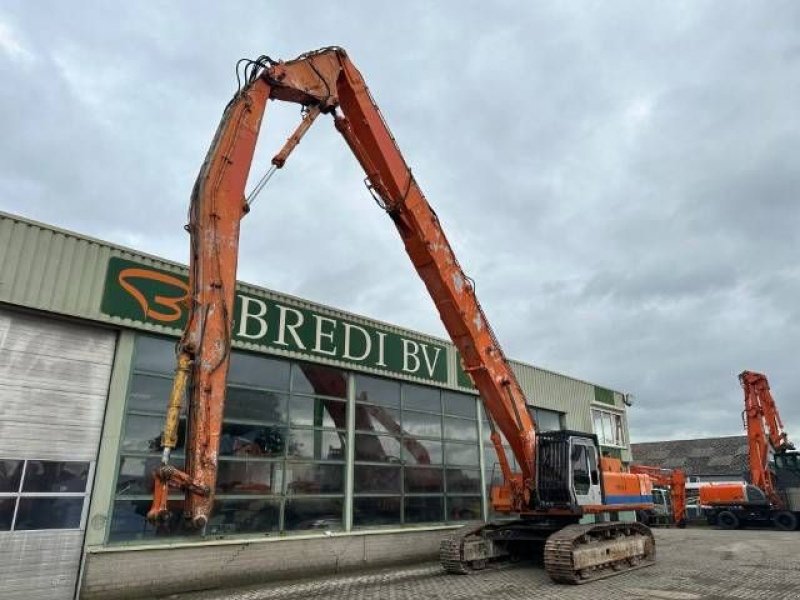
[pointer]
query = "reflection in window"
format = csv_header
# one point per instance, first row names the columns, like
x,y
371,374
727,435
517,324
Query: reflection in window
x,y
380,510
250,370
249,477
377,448
422,424
377,391
310,478
580,470
376,479
461,405
318,412
313,513
421,480
609,427
464,508
10,473
318,380
255,405
421,509
460,429
245,516
463,481
7,506
461,454
46,476
316,444
283,449
48,513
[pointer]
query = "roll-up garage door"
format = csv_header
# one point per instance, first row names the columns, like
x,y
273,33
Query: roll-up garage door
x,y
54,378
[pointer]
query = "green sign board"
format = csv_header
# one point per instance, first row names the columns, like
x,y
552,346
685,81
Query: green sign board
x,y
143,293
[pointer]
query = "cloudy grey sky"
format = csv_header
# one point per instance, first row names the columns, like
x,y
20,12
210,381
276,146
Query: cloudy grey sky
x,y
620,178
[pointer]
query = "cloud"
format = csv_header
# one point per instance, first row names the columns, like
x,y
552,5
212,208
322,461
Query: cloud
x,y
619,179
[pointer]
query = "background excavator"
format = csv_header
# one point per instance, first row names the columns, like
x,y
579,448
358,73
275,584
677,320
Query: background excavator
x,y
669,496
562,478
773,493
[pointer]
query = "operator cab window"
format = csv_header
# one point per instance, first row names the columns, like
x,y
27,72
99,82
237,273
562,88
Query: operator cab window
x,y
581,477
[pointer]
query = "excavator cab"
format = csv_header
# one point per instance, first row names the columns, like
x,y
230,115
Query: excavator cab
x,y
568,470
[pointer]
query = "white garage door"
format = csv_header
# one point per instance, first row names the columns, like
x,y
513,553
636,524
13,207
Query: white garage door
x,y
54,379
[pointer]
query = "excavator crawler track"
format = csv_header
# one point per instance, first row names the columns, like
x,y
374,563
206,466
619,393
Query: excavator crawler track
x,y
579,554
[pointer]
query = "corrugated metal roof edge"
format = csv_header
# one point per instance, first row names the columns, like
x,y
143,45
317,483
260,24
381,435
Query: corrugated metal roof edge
x,y
705,439
126,249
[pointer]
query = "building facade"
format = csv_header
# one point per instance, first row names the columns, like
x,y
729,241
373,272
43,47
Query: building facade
x,y
346,441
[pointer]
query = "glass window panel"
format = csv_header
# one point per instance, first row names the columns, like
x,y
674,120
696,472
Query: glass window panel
x,y
143,434
608,429
464,509
377,418
376,511
423,509
55,476
546,420
619,430
128,521
259,371
417,397
377,448
463,481
421,452
245,516
150,393
249,477
310,478
49,513
156,355
255,405
313,513
136,474
318,412
377,391
319,380
459,404
267,441
461,454
424,424
460,429
421,480
376,479
6,513
597,420
10,472
316,444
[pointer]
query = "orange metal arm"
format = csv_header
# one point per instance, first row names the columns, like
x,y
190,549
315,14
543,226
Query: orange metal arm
x,y
323,82
764,432
675,480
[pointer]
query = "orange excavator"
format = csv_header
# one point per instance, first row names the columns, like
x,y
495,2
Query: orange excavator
x,y
773,494
560,481
669,496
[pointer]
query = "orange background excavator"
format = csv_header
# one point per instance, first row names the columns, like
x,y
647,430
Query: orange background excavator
x,y
773,493
669,496
560,479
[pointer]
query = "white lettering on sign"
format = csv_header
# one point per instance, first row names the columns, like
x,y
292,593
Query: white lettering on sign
x,y
284,326
348,327
410,356
431,365
381,348
320,335
247,316
411,359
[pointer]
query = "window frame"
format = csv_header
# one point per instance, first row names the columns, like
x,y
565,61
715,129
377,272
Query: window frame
x,y
19,494
617,422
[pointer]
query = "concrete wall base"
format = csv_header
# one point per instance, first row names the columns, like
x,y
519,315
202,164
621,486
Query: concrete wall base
x,y
133,573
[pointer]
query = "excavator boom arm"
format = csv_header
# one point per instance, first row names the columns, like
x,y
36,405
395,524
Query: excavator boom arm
x,y
323,82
